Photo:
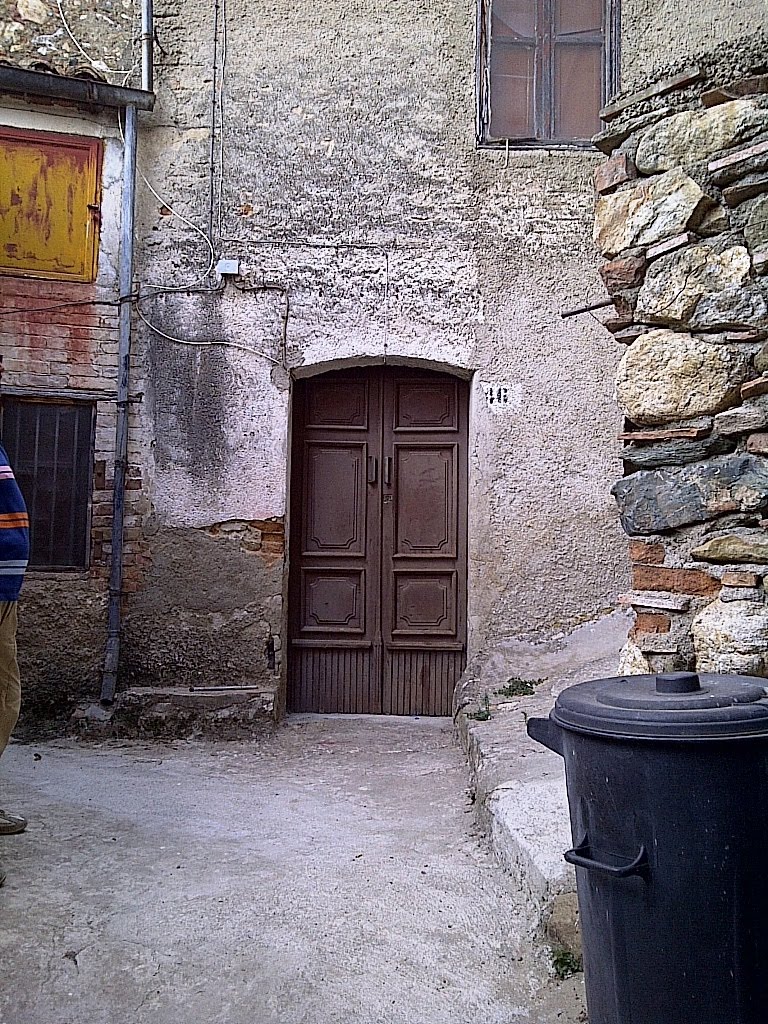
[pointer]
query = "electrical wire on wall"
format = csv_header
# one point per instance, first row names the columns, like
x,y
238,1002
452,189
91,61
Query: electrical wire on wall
x,y
207,342
185,220
216,196
380,250
222,91
136,299
102,66
212,136
213,237
215,213
216,199
218,89
215,191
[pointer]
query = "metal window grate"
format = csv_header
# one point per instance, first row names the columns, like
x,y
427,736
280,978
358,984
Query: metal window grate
x,y
50,446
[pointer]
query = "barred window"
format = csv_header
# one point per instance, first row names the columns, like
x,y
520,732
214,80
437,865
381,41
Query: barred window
x,y
546,68
50,447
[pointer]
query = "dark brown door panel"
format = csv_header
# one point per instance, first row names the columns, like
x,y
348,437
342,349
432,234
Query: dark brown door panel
x,y
378,542
425,482
424,604
333,601
335,506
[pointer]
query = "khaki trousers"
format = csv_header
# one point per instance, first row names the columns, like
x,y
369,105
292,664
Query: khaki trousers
x,y
10,681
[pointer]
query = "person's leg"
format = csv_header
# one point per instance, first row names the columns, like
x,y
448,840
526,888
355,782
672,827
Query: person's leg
x,y
10,680
10,701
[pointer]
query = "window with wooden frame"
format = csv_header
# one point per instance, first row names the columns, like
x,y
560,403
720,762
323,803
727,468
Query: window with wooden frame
x,y
50,195
545,69
50,447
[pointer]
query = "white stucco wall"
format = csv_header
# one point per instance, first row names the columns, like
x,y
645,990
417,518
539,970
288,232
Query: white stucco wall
x,y
351,179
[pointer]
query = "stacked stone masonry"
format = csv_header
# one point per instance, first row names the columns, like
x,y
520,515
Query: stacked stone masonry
x,y
682,217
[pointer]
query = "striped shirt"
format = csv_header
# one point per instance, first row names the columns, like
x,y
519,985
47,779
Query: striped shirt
x,y
14,533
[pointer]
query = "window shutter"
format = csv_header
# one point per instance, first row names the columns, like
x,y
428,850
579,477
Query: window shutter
x,y
49,205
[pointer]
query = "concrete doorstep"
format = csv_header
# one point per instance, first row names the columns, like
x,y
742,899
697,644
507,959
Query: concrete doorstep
x,y
519,786
172,713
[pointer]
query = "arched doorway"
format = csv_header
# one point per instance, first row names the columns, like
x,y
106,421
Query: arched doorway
x,y
377,593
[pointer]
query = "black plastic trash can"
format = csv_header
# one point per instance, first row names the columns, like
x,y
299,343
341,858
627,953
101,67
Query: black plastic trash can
x,y
667,782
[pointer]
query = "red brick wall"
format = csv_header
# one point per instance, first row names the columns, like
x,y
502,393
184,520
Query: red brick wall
x,y
75,348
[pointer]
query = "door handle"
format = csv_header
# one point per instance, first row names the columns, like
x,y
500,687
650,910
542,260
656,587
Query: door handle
x,y
373,469
387,470
581,858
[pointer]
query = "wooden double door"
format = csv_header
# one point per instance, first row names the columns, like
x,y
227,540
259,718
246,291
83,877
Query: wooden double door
x,y
378,542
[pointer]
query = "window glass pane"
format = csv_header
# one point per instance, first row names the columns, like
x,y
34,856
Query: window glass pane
x,y
511,96
578,16
513,19
49,446
578,91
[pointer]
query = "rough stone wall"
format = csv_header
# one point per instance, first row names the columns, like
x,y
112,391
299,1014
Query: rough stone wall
x,y
343,175
659,36
209,613
100,37
346,177
682,214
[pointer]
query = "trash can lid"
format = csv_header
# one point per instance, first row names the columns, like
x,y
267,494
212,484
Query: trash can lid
x,y
676,706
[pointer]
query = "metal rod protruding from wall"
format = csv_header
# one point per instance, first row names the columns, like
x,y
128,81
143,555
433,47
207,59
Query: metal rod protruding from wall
x,y
147,46
564,313
125,277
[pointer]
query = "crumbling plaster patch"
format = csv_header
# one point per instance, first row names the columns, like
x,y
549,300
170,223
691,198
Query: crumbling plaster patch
x,y
205,615
62,632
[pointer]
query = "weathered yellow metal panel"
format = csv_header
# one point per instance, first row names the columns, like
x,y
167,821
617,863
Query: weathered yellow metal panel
x,y
49,205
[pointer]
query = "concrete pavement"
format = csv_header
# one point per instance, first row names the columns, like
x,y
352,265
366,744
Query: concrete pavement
x,y
332,874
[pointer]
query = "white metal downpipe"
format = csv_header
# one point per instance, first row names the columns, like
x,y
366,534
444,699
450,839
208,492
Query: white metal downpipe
x,y
147,46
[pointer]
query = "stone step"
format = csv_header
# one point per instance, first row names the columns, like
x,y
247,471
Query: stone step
x,y
168,713
519,786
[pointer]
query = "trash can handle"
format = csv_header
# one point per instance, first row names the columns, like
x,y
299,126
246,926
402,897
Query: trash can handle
x,y
581,858
544,731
